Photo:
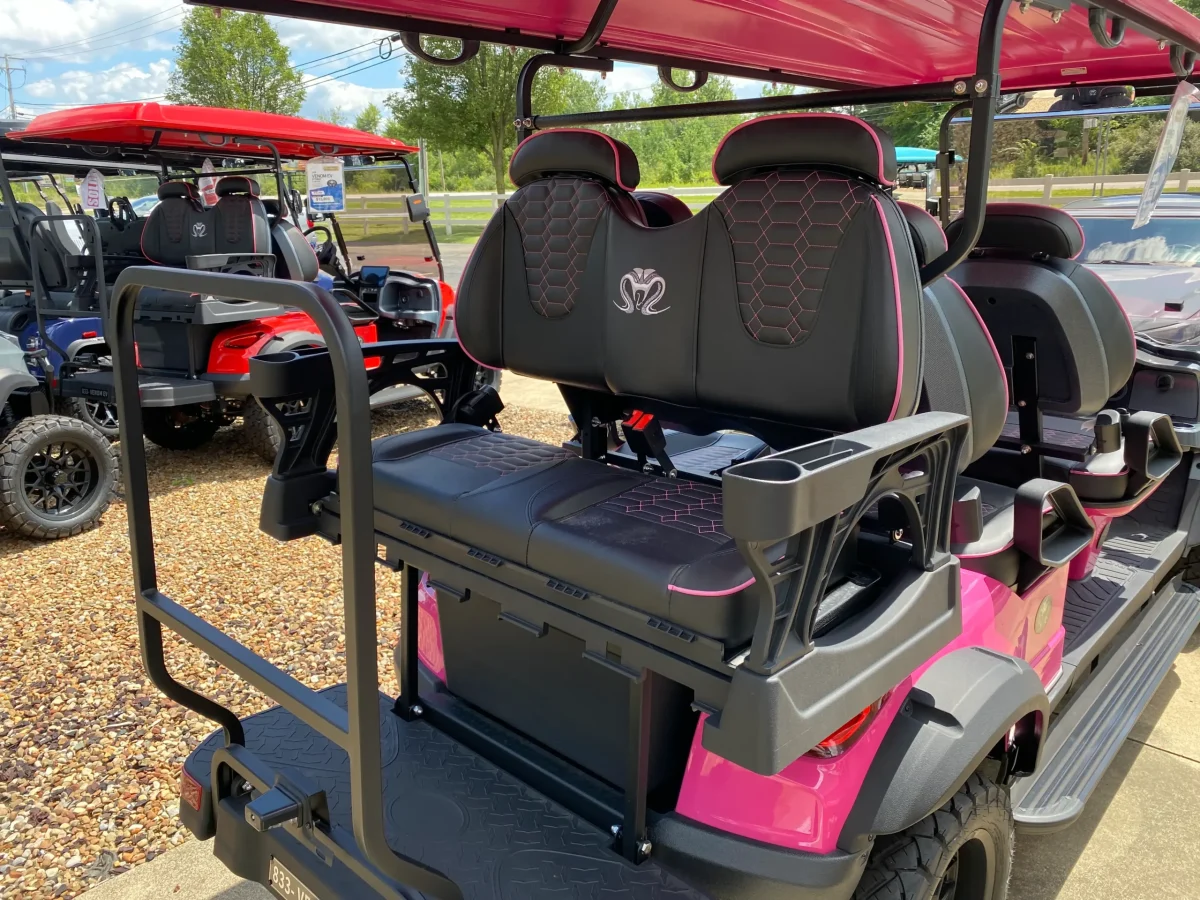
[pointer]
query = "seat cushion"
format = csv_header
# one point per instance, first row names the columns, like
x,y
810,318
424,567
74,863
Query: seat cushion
x,y
650,543
1101,478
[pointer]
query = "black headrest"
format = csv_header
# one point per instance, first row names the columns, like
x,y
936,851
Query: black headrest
x,y
1027,228
271,205
237,184
184,189
927,234
805,139
562,151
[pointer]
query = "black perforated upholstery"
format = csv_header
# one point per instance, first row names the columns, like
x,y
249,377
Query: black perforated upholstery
x,y
239,219
178,227
1085,347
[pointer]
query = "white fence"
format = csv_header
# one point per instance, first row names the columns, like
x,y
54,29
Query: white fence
x,y
473,209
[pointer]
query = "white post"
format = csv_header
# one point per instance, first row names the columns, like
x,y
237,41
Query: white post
x,y
1048,191
1184,177
366,221
445,194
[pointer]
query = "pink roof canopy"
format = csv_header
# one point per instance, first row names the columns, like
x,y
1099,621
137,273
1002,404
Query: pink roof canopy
x,y
837,42
200,129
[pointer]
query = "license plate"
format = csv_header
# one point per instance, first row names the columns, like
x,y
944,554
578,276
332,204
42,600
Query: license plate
x,y
287,885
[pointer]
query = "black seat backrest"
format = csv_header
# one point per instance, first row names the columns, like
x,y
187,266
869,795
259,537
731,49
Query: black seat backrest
x,y
963,371
1025,282
295,258
178,227
794,298
239,218
14,266
660,209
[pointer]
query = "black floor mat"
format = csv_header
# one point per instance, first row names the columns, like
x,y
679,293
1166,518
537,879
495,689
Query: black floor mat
x,y
1129,550
456,812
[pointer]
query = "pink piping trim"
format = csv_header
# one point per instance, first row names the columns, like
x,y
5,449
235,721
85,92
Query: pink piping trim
x,y
1002,208
611,143
905,205
724,593
871,131
887,233
987,334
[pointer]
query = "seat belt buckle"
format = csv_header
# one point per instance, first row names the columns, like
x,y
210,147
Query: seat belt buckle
x,y
644,436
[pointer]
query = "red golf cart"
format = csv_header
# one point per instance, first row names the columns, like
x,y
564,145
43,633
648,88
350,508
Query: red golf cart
x,y
194,349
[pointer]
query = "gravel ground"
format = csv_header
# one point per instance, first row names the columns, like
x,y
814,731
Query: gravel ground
x,y
89,750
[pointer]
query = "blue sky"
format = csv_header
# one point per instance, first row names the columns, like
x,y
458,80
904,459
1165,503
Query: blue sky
x,y
78,52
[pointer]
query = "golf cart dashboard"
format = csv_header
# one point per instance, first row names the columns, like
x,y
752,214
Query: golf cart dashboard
x,y
398,295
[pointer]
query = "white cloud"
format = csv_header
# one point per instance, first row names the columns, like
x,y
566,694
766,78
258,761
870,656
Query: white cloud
x,y
123,81
315,38
78,30
350,98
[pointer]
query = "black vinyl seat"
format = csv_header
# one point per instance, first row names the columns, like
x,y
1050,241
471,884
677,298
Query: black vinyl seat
x,y
566,284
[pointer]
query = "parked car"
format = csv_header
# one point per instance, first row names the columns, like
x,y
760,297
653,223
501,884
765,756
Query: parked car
x,y
143,205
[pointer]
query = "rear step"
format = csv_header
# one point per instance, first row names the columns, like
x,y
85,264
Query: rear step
x,y
446,806
1093,725
155,390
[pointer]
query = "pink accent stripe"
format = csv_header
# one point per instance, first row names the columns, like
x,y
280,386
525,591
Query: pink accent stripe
x,y
987,334
887,233
924,212
724,593
600,134
871,131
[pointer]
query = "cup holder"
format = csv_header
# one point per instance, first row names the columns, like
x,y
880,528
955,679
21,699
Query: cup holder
x,y
773,471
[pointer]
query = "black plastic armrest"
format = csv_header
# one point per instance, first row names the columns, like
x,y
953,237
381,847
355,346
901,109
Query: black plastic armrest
x,y
1056,541
811,497
1152,449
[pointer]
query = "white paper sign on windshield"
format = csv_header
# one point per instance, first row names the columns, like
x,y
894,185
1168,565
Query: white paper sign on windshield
x,y
91,191
1167,152
208,186
326,185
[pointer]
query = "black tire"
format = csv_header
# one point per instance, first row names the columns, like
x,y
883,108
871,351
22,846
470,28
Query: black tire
x,y
263,434
101,416
488,376
57,477
963,851
175,429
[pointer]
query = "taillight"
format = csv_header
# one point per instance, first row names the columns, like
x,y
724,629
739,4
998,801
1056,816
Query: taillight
x,y
89,334
842,739
243,341
190,791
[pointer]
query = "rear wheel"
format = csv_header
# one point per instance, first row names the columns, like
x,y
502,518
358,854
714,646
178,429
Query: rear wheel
x,y
100,415
57,477
961,852
263,433
178,428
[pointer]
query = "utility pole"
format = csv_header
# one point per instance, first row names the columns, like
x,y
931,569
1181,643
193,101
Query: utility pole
x,y
9,68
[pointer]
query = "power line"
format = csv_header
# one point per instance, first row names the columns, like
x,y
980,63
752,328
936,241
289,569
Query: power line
x,y
80,46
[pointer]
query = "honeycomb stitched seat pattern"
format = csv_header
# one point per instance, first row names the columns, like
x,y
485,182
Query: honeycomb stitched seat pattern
x,y
683,505
505,453
786,228
557,219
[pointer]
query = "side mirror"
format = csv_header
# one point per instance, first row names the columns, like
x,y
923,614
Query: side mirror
x,y
418,209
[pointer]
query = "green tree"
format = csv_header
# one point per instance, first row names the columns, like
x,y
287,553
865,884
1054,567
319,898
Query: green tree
x,y
234,60
369,119
333,115
676,151
914,124
470,107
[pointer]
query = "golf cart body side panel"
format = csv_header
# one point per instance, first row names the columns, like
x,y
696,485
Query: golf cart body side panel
x,y
837,42
807,805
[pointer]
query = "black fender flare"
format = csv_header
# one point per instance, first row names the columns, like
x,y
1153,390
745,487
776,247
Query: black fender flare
x,y
955,714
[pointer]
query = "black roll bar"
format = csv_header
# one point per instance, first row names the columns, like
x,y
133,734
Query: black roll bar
x,y
35,273
525,122
356,729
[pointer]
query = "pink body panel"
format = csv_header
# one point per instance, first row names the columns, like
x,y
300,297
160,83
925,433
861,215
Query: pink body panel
x,y
805,805
429,630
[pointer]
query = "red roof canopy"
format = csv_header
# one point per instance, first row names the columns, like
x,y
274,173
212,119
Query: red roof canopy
x,y
204,130
859,42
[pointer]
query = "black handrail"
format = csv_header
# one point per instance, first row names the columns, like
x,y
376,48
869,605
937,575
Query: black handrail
x,y
35,270
357,730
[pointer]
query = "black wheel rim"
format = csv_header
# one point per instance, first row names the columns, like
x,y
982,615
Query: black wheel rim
x,y
971,872
60,478
103,415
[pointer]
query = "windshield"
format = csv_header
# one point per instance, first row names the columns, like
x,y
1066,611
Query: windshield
x,y
1162,241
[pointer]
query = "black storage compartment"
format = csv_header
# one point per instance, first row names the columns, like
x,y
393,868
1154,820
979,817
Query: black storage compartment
x,y
166,346
545,688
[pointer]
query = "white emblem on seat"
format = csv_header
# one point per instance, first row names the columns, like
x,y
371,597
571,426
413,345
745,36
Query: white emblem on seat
x,y
641,291
198,229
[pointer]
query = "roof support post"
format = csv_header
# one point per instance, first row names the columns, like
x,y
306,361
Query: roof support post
x,y
524,121
944,161
983,91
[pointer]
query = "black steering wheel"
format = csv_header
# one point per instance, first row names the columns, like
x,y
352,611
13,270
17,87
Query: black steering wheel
x,y
325,253
121,210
